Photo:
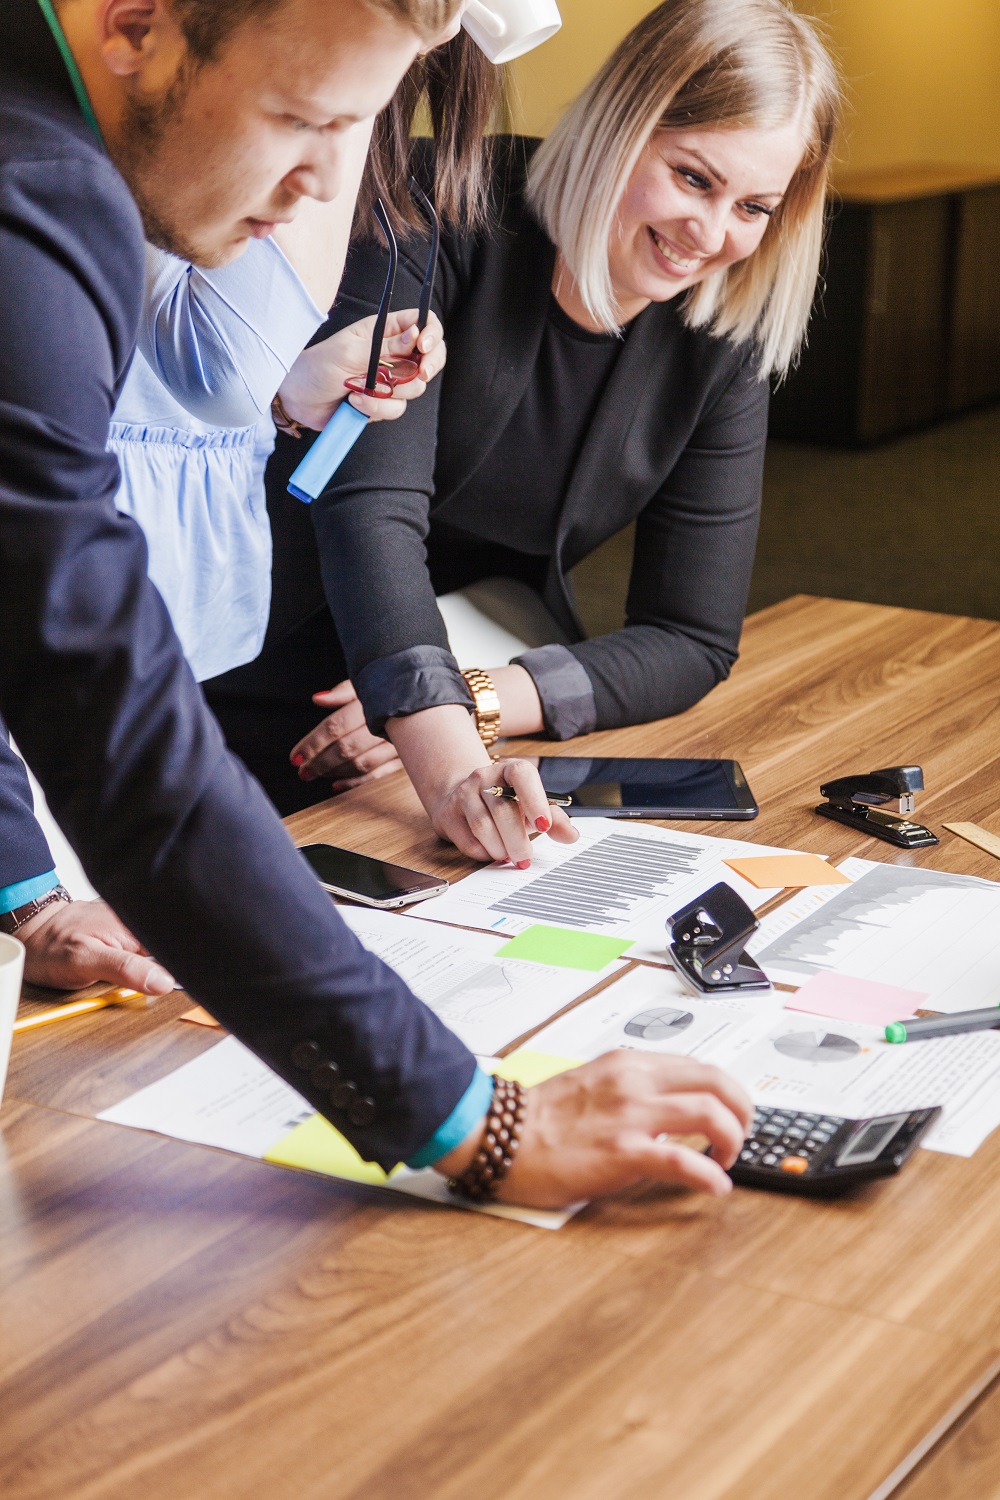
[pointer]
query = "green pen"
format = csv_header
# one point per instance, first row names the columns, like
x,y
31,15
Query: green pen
x,y
925,1027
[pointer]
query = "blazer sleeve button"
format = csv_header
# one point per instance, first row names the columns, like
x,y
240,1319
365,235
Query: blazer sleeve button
x,y
306,1055
362,1111
343,1094
325,1075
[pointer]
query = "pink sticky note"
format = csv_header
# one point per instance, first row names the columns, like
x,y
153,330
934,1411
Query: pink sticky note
x,y
841,997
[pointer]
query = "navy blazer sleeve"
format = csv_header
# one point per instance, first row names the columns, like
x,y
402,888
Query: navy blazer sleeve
x,y
168,825
24,849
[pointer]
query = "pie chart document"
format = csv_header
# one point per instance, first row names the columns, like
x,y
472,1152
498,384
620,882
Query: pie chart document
x,y
791,1060
619,880
648,1010
918,929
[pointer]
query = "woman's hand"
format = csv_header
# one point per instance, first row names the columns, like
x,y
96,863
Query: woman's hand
x,y
451,773
314,386
601,1128
487,827
342,745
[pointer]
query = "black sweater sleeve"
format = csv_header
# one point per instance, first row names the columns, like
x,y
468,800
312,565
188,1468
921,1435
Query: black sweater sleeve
x,y
371,529
694,551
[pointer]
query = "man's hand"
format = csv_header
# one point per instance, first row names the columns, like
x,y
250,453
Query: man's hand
x,y
72,945
314,386
342,746
600,1128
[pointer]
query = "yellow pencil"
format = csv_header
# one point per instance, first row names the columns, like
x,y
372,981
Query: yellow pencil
x,y
81,1007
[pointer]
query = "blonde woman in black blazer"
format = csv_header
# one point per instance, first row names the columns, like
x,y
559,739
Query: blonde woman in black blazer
x,y
610,337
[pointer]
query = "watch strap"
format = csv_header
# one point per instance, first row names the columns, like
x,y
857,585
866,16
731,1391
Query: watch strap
x,y
487,704
12,921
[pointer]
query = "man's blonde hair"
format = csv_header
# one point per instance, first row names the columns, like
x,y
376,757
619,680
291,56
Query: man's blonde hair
x,y
697,64
208,24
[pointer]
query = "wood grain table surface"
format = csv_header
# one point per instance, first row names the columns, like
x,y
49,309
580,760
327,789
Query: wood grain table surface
x,y
177,1323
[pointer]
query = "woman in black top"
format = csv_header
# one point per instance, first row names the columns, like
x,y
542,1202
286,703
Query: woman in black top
x,y
610,338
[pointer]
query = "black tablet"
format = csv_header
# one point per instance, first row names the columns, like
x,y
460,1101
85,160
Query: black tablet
x,y
649,788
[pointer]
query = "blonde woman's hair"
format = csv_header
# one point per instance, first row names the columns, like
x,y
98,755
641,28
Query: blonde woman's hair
x,y
697,64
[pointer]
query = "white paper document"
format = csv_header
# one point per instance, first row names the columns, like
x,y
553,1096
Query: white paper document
x,y
229,1099
916,928
649,1010
486,1000
787,1058
844,1068
620,880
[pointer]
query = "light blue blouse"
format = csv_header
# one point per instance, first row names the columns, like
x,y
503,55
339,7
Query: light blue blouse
x,y
192,433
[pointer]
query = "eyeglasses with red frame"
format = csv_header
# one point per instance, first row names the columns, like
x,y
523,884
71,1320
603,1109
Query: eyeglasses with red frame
x,y
384,375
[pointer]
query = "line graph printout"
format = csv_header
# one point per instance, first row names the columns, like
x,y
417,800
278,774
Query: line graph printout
x,y
486,1000
617,881
916,928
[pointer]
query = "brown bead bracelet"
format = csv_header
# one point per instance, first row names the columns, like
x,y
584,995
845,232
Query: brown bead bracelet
x,y
497,1150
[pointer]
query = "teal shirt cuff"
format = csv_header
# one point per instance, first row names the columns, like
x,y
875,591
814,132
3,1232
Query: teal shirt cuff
x,y
13,896
474,1105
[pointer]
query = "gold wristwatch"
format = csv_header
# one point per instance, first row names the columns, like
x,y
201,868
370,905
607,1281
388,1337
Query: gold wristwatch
x,y
487,705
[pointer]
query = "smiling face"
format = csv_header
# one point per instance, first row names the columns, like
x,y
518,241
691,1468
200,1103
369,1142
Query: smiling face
x,y
230,148
697,201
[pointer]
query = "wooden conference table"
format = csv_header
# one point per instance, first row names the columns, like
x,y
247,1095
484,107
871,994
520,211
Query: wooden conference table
x,y
178,1324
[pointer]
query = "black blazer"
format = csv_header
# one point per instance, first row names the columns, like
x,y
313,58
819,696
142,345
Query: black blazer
x,y
677,444
169,826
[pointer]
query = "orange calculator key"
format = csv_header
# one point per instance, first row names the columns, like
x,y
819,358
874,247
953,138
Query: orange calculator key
x,y
794,1164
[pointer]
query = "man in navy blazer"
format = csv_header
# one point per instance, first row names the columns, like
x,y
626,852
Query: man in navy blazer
x,y
203,122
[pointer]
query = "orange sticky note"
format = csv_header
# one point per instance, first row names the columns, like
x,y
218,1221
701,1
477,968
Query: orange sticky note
x,y
767,871
200,1017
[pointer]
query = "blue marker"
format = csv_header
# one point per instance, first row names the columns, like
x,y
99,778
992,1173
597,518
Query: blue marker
x,y
338,437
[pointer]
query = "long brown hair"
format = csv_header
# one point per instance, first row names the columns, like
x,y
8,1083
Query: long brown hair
x,y
464,96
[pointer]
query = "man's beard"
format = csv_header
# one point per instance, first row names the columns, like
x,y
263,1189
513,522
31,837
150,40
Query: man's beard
x,y
144,127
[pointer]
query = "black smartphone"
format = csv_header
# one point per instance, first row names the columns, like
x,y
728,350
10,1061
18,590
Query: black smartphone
x,y
373,882
649,788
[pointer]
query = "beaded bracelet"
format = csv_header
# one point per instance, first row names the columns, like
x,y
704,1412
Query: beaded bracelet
x,y
497,1150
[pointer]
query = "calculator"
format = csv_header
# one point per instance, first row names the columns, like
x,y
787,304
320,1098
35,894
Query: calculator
x,y
793,1152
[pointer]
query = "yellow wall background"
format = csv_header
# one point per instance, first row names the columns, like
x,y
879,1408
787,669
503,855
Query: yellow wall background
x,y
923,76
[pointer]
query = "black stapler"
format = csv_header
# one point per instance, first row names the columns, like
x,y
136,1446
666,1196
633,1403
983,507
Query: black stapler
x,y
707,942
853,800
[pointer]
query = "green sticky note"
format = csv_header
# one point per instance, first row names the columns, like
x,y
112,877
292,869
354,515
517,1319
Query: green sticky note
x,y
528,1067
565,948
317,1147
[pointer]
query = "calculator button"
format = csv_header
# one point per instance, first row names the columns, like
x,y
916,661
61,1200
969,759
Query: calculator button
x,y
748,1156
769,1160
831,1125
795,1164
795,1134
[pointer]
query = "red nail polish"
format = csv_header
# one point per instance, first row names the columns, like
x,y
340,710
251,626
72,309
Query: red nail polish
x,y
305,774
524,864
298,760
542,824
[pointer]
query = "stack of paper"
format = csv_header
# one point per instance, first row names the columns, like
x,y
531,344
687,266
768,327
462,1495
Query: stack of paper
x,y
617,880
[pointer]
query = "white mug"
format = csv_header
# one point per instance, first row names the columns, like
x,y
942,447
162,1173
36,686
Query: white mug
x,y
506,29
11,967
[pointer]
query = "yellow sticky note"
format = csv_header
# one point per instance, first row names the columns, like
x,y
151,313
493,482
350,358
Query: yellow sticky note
x,y
768,871
317,1147
528,1067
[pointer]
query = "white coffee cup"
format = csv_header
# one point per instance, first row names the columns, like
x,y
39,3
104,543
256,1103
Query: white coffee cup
x,y
11,968
506,29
